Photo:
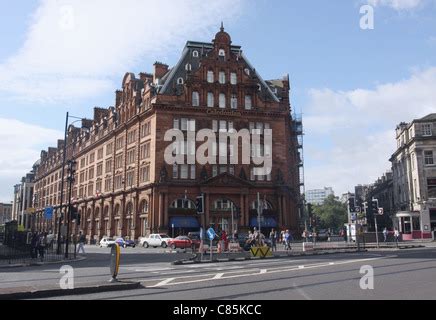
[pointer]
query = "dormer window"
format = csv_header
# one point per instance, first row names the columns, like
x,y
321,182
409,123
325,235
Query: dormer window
x,y
247,71
188,67
222,53
195,54
180,81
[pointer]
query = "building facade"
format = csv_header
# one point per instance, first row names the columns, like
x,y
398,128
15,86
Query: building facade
x,y
5,213
383,191
22,209
123,184
317,196
414,177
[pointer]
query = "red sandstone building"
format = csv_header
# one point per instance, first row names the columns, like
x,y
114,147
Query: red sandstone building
x,y
123,186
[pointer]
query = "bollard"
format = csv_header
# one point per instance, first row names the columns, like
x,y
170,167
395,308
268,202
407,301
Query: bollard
x,y
115,262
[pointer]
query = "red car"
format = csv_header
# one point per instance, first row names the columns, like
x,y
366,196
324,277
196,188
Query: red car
x,y
183,242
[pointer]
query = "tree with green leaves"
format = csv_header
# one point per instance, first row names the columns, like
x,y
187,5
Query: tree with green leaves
x,y
332,214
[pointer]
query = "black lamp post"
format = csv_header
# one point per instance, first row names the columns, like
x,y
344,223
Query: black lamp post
x,y
70,178
64,160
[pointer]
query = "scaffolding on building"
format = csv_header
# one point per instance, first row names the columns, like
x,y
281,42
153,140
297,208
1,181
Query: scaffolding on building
x,y
298,131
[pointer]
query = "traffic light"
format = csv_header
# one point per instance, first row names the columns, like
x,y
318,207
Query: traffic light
x,y
309,209
199,202
374,206
351,205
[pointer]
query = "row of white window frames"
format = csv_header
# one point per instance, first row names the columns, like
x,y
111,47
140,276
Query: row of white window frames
x,y
222,100
186,171
186,124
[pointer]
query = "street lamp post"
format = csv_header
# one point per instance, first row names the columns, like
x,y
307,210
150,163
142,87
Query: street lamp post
x,y
70,178
64,160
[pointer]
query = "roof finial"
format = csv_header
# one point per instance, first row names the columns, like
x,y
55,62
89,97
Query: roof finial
x,y
222,26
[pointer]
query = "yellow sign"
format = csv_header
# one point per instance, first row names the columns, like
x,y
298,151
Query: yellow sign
x,y
30,210
20,228
261,252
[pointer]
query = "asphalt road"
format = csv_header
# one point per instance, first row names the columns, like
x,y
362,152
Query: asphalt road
x,y
398,274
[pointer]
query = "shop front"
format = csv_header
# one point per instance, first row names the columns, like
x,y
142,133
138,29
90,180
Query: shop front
x,y
411,226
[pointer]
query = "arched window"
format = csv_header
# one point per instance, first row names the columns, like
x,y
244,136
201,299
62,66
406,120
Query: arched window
x,y
88,214
106,211
210,100
183,204
129,208
195,54
97,213
210,76
144,206
188,67
180,81
117,210
222,53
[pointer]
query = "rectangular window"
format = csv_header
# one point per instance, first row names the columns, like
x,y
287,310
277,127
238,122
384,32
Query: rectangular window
x,y
426,130
184,124
223,126
195,99
118,182
428,158
130,178
191,125
91,173
119,162
176,124
145,129
193,172
175,171
100,154
234,101
99,169
131,156
144,174
108,166
222,101
109,148
145,151
131,137
210,100
184,171
210,77
119,143
107,184
233,78
248,104
222,77
98,187
92,157
214,125
214,170
91,189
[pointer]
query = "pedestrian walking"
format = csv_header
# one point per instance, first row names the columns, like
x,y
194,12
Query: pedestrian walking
x,y
273,238
34,246
288,239
42,243
397,236
385,234
82,240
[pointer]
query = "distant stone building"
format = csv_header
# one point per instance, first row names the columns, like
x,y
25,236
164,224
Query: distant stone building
x,y
318,196
5,213
23,200
383,191
414,177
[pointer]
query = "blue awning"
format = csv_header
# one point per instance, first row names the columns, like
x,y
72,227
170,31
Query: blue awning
x,y
268,222
184,222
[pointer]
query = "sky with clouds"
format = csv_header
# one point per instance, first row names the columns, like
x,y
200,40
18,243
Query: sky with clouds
x,y
353,86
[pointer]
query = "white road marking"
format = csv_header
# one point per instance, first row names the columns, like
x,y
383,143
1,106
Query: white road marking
x,y
262,271
218,276
301,291
164,282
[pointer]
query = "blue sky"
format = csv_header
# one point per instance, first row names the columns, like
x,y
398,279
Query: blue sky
x,y
352,85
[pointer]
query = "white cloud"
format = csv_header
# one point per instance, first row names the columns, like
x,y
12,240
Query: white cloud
x,y
21,145
75,48
397,4
360,127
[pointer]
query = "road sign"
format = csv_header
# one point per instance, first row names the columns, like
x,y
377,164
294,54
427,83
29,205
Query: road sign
x,y
380,211
48,213
211,234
